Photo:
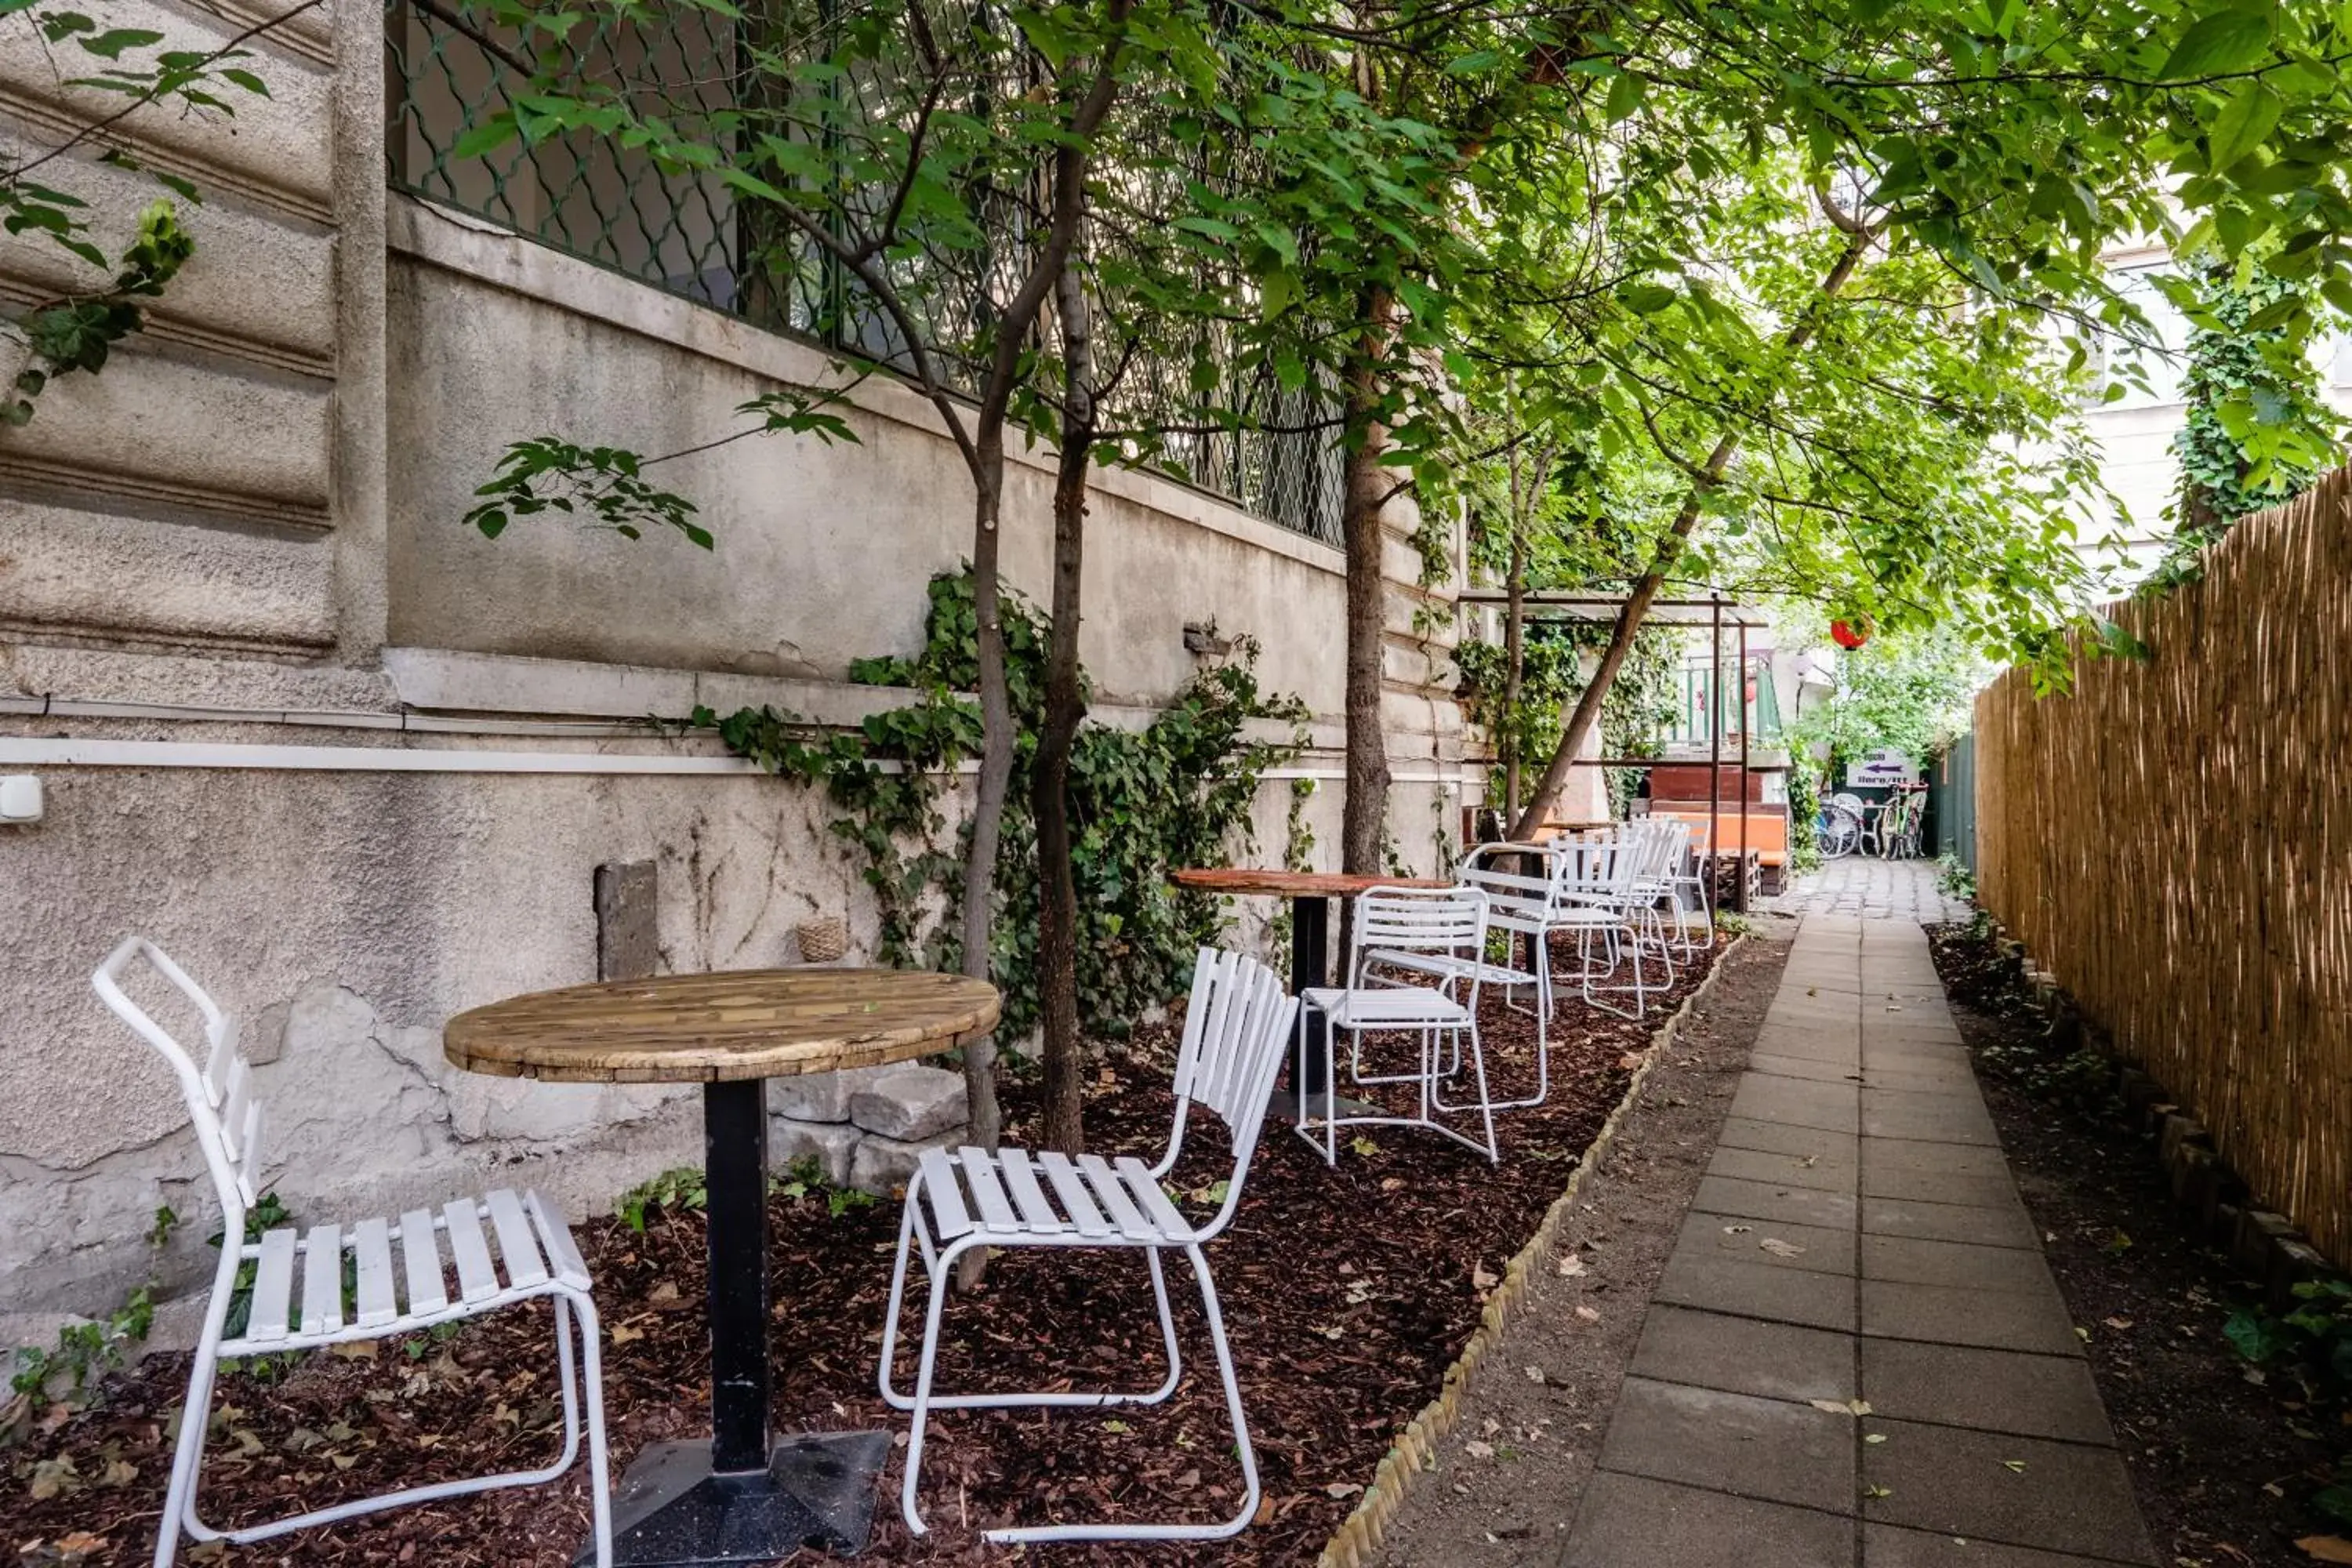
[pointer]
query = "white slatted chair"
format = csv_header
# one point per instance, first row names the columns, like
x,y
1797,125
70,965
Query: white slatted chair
x,y
535,1254
1447,927
1689,886
1234,1030
1524,905
1604,873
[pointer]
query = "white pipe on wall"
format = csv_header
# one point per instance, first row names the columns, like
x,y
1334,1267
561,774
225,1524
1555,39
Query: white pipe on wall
x,y
83,753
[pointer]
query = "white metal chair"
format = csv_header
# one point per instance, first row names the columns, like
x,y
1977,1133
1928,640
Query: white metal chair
x,y
1688,888
1605,873
1234,1035
535,1254
1448,925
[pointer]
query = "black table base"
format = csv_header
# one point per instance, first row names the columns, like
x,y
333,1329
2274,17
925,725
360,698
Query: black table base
x,y
739,1497
673,1511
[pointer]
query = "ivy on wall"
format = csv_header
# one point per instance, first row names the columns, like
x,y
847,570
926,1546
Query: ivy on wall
x,y
1179,791
2256,432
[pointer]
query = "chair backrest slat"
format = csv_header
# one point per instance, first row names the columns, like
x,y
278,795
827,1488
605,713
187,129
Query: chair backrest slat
x,y
222,1107
1229,1065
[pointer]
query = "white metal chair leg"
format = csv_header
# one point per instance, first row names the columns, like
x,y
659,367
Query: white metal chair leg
x,y
910,1483
1093,1399
1242,1449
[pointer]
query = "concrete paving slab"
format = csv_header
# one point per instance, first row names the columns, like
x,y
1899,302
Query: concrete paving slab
x,y
1820,1172
1934,1118
1752,1290
2008,1225
1889,1546
1812,1070
1939,1187
1770,1449
1992,1391
2022,1491
1992,1319
1784,1202
1943,1159
1832,1107
1819,1249
1740,1355
1798,1142
1630,1520
1916,1261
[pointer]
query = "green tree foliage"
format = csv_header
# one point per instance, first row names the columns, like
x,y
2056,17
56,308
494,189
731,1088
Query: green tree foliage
x,y
1907,690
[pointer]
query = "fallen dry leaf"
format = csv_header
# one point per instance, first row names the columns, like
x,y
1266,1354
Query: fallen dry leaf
x,y
1570,1267
2326,1548
1778,1248
1482,1280
1589,1314
2118,1322
1535,1375
622,1334
1341,1488
1737,1229
1478,1450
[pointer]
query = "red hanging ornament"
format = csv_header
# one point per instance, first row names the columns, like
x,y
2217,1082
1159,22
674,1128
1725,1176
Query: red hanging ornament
x,y
1849,636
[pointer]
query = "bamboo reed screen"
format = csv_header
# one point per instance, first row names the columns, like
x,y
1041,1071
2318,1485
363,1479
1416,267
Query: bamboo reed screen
x,y
2173,842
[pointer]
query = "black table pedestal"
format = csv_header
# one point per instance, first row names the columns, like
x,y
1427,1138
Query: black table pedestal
x,y
1310,940
738,1499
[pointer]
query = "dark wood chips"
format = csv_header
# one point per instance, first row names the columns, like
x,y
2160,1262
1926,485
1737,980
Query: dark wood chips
x,y
1347,1292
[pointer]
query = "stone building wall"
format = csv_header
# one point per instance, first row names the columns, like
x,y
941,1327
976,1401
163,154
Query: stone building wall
x,y
356,766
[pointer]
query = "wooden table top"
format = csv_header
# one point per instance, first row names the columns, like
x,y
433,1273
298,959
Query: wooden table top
x,y
1242,879
720,1028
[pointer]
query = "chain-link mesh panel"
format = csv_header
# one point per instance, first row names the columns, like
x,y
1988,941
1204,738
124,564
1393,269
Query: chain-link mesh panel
x,y
685,233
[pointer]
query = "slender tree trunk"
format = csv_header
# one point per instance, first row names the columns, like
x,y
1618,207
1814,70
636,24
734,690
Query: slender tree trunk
x,y
996,775
1636,608
1515,650
1065,706
1367,483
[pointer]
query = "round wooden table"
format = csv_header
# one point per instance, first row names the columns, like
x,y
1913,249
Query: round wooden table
x,y
1311,895
741,1498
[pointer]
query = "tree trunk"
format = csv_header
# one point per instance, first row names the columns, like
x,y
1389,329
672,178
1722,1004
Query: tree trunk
x,y
1057,902
995,775
1515,650
1636,608
1364,820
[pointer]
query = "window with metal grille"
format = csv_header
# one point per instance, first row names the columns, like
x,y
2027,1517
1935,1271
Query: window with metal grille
x,y
685,233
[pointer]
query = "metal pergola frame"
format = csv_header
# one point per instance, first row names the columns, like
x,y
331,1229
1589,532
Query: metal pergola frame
x,y
1714,612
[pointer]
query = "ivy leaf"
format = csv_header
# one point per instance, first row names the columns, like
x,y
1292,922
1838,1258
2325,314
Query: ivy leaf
x,y
1624,97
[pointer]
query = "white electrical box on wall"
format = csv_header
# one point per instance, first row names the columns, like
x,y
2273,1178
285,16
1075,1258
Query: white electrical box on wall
x,y
20,799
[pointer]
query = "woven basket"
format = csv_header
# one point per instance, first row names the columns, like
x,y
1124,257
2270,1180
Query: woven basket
x,y
825,940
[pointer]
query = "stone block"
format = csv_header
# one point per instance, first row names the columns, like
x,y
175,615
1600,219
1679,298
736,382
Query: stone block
x,y
2179,1132
2259,1230
819,1096
628,935
2191,1168
2292,1263
909,1103
882,1165
831,1144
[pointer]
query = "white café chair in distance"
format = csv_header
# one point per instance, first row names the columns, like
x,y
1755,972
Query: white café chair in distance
x,y
1234,1030
1445,927
535,1252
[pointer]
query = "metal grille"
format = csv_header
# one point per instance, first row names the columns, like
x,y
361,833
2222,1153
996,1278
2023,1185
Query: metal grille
x,y
683,233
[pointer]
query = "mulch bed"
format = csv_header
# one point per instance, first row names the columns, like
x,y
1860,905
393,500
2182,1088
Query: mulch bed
x,y
1347,1293
2225,1459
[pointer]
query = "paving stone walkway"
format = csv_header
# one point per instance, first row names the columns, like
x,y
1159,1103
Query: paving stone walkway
x,y
1868,887
1858,1237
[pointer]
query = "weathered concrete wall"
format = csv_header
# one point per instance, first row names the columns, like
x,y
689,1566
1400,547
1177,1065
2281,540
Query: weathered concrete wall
x,y
249,527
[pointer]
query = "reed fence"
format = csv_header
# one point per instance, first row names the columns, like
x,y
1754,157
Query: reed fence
x,y
2172,840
